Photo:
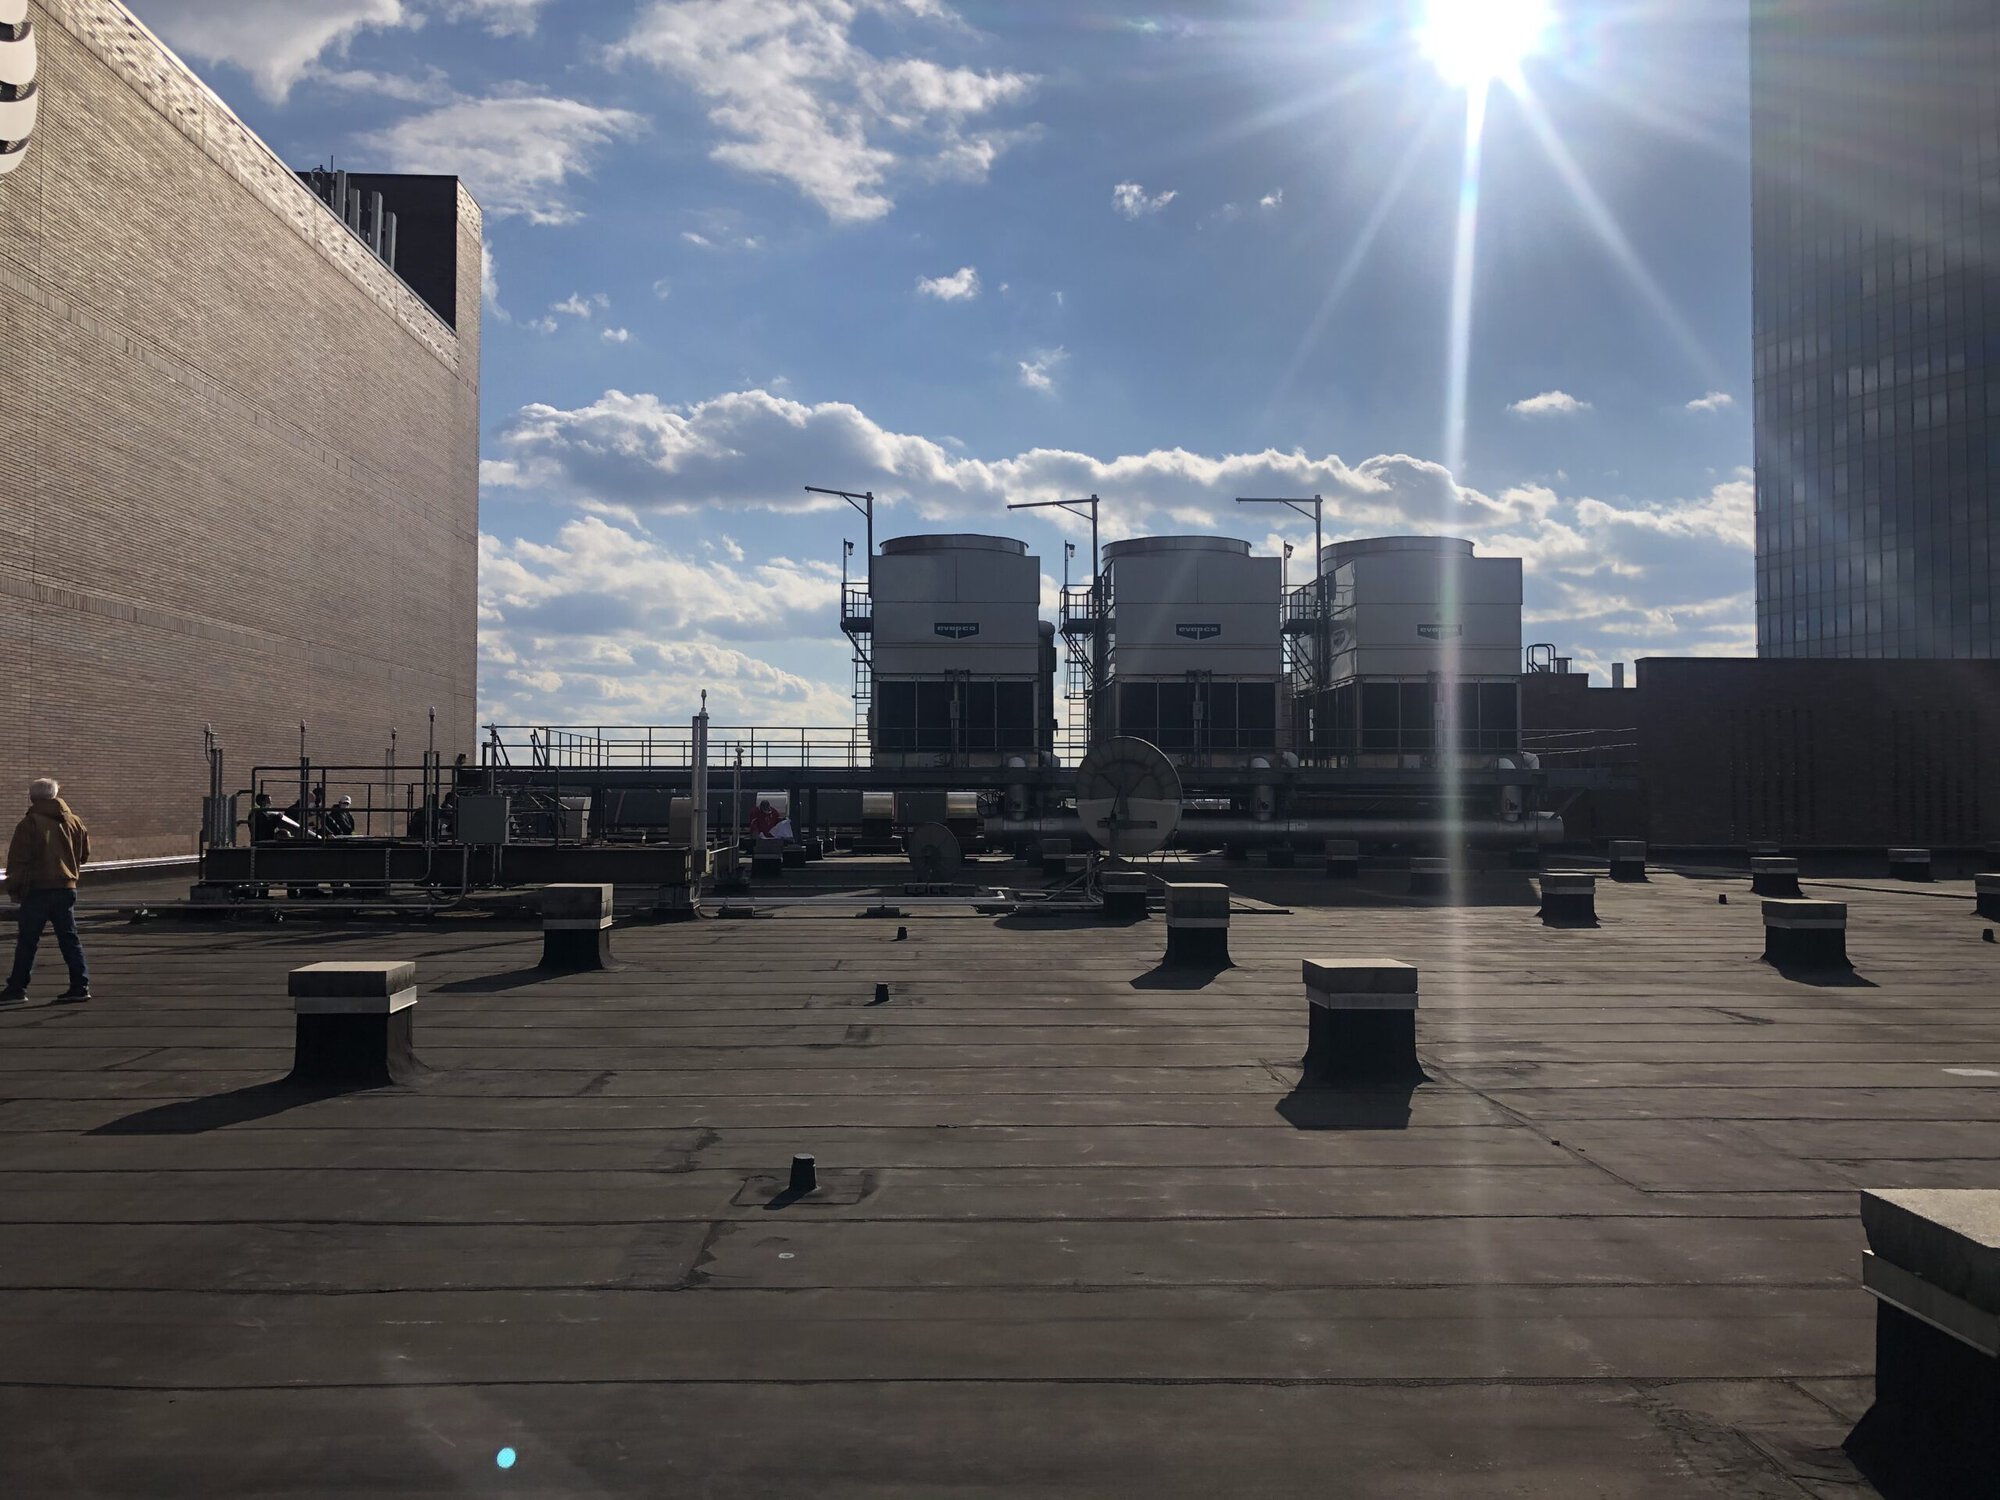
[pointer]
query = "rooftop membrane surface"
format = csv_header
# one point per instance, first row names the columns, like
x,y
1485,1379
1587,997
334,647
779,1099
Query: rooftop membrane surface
x,y
1076,1235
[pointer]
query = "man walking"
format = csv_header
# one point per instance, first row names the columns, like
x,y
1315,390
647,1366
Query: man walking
x,y
44,861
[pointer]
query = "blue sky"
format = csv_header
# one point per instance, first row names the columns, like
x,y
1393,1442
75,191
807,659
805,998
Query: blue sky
x,y
961,254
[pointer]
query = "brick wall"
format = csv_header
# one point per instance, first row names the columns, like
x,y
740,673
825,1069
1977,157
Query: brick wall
x,y
238,458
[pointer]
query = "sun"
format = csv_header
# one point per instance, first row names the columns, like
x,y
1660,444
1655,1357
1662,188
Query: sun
x,y
1474,42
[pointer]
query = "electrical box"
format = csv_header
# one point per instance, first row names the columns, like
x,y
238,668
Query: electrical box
x,y
483,819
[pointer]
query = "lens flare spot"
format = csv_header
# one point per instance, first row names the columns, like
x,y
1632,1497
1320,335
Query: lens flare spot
x,y
505,1458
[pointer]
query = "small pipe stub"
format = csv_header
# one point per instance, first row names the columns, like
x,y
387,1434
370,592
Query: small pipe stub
x,y
881,994
805,1175
902,934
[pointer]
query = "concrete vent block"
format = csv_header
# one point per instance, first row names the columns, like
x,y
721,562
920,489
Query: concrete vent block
x,y
1569,899
1361,1023
1343,859
1628,860
767,859
1909,864
1430,877
1055,857
1933,1267
576,927
354,1023
1198,925
1125,894
1986,892
794,856
1805,934
1774,875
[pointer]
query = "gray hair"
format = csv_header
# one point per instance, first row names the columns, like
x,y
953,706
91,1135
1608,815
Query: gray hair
x,y
45,790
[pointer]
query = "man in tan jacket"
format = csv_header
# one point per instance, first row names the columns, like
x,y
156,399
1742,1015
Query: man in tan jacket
x,y
44,861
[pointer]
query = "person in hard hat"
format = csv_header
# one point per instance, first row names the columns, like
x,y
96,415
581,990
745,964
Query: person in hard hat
x,y
339,820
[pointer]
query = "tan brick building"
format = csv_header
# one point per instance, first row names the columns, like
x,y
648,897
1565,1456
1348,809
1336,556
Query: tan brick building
x,y
238,455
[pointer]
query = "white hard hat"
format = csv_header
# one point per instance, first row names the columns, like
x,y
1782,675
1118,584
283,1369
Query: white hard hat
x,y
347,802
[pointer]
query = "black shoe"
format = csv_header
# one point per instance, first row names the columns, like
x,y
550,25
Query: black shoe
x,y
12,995
73,996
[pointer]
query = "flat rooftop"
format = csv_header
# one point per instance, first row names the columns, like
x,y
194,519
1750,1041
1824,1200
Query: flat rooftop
x,y
1075,1236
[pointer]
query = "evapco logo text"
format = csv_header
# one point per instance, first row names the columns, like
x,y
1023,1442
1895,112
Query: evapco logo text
x,y
1197,632
20,96
955,630
1440,632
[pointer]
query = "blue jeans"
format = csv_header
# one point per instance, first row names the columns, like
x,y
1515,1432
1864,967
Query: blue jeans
x,y
43,908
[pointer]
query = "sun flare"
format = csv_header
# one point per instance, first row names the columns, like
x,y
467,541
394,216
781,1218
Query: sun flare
x,y
1474,42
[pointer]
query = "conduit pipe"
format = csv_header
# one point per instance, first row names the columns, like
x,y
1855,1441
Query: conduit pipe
x,y
1542,828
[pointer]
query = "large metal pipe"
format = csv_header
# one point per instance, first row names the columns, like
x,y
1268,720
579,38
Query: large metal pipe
x,y
1542,828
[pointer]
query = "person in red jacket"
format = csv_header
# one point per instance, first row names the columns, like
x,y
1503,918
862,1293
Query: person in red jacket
x,y
46,858
763,820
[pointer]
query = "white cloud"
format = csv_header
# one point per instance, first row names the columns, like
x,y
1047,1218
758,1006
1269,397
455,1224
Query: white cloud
x,y
515,153
274,41
961,286
800,100
747,449
1550,404
1274,199
663,289
572,631
432,86
1713,401
501,17
1039,373
1728,514
617,335
489,283
576,305
1129,199
718,236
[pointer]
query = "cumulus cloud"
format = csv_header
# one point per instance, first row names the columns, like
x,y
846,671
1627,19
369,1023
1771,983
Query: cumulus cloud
x,y
1713,401
800,100
961,286
617,335
274,41
576,305
1550,404
749,449
1039,373
605,624
1130,199
516,153
1275,199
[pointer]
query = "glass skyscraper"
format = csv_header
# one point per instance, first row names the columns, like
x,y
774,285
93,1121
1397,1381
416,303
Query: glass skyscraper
x,y
1876,225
